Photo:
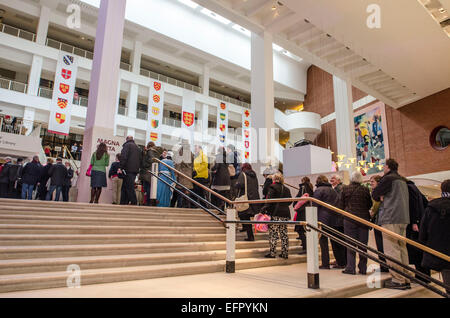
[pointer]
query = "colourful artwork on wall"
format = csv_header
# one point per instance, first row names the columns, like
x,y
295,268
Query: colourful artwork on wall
x,y
372,147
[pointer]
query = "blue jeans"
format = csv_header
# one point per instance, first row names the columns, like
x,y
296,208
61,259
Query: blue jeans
x,y
27,191
50,192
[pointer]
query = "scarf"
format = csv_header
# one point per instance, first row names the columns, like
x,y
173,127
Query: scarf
x,y
446,194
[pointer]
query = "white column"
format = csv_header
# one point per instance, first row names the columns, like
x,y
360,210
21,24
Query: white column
x,y
132,100
131,132
28,119
345,129
104,84
230,265
204,80
34,78
42,29
262,106
136,57
204,119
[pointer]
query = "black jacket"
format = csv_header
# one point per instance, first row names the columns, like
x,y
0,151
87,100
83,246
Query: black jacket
x,y
266,187
304,188
13,173
278,190
31,173
327,194
130,157
5,174
435,233
68,179
113,170
220,173
45,174
355,199
252,190
58,174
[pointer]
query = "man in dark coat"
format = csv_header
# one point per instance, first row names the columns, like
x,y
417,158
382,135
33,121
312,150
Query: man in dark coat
x,y
221,181
417,205
130,163
355,199
435,233
42,190
58,175
252,194
4,178
17,193
324,192
13,177
67,182
30,175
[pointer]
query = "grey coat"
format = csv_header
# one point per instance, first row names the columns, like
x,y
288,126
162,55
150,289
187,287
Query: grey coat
x,y
394,209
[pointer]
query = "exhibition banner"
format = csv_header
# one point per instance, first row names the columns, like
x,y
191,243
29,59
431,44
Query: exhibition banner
x,y
63,92
155,112
246,135
222,124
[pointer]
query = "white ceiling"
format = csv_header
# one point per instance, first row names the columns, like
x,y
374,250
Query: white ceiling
x,y
403,61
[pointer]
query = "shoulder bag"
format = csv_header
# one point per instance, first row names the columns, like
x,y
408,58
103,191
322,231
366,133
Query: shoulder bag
x,y
243,206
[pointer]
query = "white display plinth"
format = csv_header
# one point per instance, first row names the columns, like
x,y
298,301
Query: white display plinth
x,y
306,160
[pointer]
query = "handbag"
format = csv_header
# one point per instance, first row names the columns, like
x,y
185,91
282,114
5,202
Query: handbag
x,y
243,206
301,203
89,171
261,227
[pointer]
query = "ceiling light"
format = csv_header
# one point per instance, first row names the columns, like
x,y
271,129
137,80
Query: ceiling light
x,y
215,16
189,3
237,27
277,48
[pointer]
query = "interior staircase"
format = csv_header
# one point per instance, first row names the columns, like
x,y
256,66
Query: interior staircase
x,y
39,240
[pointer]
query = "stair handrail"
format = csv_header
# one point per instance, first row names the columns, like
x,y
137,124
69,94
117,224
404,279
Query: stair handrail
x,y
71,159
321,203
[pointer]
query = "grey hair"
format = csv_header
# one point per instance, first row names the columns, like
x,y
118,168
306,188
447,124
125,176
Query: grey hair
x,y
356,177
336,176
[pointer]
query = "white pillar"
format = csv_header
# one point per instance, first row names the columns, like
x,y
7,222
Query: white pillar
x,y
345,128
205,119
230,266
131,132
42,29
104,84
262,106
136,57
204,80
312,248
28,119
132,100
34,78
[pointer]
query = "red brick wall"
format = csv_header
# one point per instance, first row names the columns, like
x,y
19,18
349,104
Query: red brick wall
x,y
409,127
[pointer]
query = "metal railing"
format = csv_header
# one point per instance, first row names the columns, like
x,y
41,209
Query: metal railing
x,y
123,111
4,28
231,219
141,115
228,99
69,48
20,127
72,160
13,85
170,80
171,122
45,92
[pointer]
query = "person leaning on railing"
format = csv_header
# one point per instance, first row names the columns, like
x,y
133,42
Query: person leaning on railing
x,y
355,199
278,212
434,232
200,173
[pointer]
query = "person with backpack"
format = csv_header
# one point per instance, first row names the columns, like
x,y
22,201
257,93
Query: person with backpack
x,y
278,212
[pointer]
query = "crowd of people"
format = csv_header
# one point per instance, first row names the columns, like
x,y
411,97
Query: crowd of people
x,y
20,181
391,201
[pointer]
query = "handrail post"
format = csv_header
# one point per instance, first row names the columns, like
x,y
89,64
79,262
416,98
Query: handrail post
x,y
312,247
154,185
230,266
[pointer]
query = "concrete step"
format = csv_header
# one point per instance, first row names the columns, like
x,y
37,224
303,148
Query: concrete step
x,y
46,211
22,266
33,281
91,229
59,251
79,239
206,221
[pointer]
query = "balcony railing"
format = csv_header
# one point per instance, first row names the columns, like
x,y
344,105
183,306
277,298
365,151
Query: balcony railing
x,y
228,99
81,101
45,92
69,48
19,127
123,111
13,85
171,122
141,115
170,80
4,28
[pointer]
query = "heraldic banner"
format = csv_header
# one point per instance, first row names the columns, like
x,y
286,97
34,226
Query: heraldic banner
x,y
63,91
188,115
222,124
246,134
155,112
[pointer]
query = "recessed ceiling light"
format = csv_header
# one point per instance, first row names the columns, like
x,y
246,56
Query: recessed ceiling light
x,y
215,16
189,3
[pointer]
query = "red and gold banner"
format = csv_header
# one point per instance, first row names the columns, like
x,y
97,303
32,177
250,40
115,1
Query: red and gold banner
x,y
155,112
246,134
222,123
64,89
